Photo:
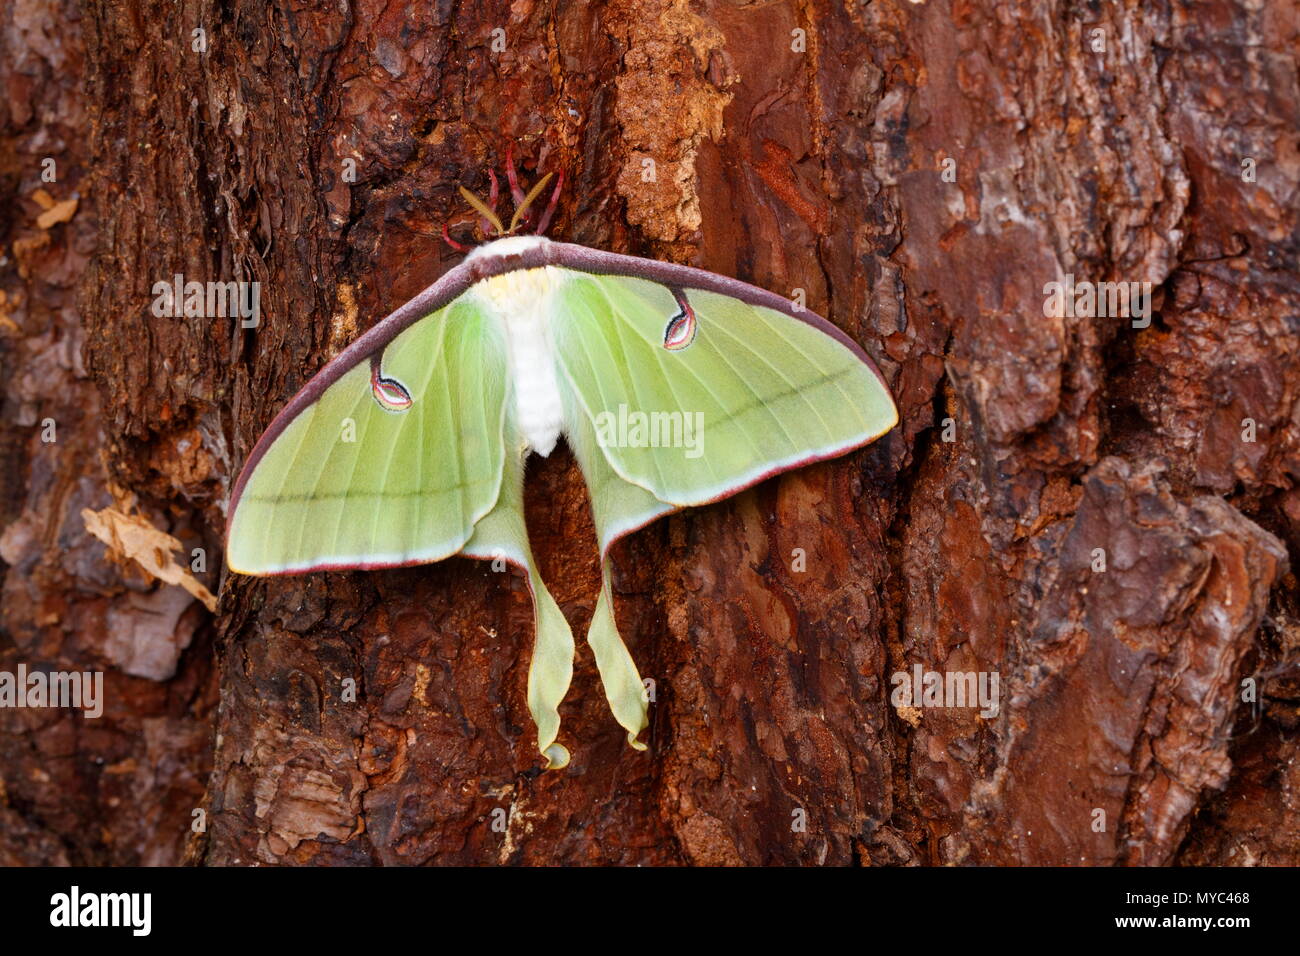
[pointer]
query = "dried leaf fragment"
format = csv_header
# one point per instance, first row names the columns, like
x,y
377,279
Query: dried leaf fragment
x,y
132,536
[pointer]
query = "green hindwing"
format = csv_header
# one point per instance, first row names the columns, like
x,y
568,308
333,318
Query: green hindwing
x,y
753,392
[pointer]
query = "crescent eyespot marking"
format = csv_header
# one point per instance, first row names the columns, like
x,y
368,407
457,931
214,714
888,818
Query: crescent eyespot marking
x,y
681,327
391,394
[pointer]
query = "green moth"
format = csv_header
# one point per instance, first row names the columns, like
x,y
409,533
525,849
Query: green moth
x,y
673,387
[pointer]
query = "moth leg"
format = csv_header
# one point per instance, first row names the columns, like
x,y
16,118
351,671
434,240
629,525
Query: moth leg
x,y
494,192
490,220
516,191
446,237
550,207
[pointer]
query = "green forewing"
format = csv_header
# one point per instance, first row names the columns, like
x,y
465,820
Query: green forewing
x,y
349,482
772,391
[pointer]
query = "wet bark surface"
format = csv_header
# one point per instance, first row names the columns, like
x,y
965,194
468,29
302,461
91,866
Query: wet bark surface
x,y
1097,511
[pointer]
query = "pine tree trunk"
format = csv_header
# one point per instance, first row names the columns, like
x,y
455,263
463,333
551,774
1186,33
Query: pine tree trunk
x,y
1095,510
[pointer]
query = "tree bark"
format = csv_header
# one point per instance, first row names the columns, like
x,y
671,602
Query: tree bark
x,y
1098,512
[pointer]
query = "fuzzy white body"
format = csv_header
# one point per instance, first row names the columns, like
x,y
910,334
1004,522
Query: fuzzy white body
x,y
523,304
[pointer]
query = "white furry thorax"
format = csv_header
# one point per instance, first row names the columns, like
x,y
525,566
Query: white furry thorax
x,y
508,246
523,302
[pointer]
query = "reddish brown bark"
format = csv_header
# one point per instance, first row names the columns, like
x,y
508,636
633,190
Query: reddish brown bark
x,y
968,545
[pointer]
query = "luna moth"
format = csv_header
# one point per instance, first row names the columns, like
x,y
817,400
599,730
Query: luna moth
x,y
674,387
